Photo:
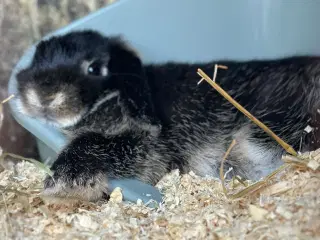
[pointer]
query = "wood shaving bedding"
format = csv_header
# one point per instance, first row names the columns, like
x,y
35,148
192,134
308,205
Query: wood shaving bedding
x,y
193,208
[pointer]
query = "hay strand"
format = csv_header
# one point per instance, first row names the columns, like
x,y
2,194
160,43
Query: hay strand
x,y
221,167
258,185
300,162
7,99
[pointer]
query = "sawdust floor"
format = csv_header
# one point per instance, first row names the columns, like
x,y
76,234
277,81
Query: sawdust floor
x,y
193,208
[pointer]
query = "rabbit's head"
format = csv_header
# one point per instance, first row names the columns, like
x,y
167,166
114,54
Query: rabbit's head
x,y
70,73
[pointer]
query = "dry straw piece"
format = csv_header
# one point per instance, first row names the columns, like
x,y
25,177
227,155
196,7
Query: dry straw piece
x,y
221,167
7,99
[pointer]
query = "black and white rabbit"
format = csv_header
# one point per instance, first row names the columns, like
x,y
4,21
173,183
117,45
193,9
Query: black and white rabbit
x,y
129,119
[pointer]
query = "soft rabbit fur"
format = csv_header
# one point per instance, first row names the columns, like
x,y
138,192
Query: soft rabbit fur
x,y
126,119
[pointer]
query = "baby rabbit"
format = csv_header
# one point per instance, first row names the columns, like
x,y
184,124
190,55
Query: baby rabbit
x,y
126,119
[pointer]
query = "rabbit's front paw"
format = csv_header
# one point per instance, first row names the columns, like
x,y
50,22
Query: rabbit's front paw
x,y
76,182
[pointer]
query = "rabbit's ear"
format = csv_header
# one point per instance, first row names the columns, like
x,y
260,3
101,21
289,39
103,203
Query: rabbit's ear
x,y
129,76
124,59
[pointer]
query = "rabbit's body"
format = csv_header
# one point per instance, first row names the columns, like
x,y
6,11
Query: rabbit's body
x,y
141,121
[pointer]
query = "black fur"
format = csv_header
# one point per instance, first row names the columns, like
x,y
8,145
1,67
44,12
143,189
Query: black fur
x,y
143,120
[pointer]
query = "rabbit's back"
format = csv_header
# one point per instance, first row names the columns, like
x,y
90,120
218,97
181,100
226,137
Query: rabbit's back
x,y
199,124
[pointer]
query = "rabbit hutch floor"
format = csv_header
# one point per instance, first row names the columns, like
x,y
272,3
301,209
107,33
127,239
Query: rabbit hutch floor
x,y
288,207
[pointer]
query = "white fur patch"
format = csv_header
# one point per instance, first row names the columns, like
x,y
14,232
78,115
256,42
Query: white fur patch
x,y
33,98
68,121
103,100
262,160
206,160
258,158
253,157
58,100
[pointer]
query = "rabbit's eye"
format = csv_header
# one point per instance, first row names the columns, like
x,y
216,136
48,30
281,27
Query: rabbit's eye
x,y
95,68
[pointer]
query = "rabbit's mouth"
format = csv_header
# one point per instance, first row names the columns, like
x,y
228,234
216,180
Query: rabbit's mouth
x,y
67,121
60,122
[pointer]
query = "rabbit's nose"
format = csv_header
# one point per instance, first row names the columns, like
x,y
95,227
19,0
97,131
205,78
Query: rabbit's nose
x,y
48,114
46,103
47,99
